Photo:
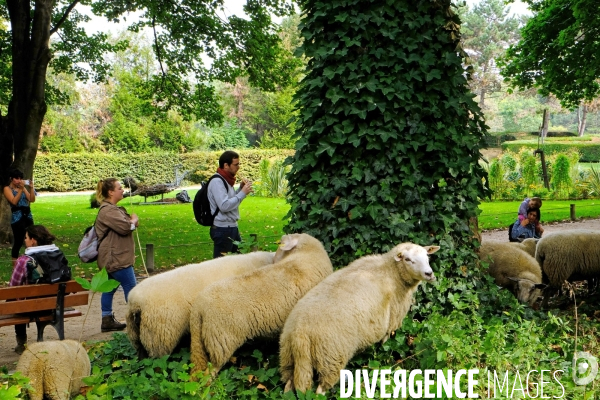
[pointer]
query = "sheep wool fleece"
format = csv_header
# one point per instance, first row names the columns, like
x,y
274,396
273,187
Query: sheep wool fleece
x,y
158,309
55,368
513,268
350,310
257,304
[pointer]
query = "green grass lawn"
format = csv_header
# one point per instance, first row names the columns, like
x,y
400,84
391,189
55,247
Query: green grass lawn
x,y
500,214
179,240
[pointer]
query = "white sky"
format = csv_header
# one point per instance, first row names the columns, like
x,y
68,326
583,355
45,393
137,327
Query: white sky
x,y
236,7
517,7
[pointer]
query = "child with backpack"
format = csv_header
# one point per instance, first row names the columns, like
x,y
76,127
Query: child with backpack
x,y
42,262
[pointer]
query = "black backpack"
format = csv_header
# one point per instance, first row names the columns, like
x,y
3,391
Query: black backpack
x,y
201,204
48,267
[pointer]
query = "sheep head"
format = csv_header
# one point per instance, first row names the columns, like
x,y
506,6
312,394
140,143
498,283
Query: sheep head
x,y
415,259
290,243
527,291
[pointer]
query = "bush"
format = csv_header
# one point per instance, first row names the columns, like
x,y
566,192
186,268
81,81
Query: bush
x,y
590,151
81,171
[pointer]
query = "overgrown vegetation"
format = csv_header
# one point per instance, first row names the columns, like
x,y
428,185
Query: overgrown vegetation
x,y
518,175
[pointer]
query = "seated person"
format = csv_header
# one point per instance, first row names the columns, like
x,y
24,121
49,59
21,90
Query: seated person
x,y
28,269
529,227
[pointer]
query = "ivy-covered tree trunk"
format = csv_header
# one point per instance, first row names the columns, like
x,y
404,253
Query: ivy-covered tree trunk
x,y
389,134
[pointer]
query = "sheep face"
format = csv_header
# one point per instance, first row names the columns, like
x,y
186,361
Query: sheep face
x,y
527,291
415,260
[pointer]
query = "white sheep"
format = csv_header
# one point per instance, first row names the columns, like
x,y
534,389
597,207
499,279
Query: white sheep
x,y
568,255
350,310
512,267
529,245
158,314
55,368
228,313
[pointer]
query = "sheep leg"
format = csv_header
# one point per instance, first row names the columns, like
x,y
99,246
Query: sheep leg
x,y
289,385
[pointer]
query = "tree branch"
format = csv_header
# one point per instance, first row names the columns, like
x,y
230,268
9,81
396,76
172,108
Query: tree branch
x,y
64,17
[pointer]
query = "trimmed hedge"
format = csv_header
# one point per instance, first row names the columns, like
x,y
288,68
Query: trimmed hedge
x,y
590,151
81,171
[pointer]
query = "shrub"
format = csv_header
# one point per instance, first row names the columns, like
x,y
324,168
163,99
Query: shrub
x,y
590,151
81,171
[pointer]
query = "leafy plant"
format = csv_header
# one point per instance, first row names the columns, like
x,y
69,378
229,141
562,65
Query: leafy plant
x,y
561,177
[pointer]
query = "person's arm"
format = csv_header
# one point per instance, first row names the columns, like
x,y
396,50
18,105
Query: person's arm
x,y
30,196
219,194
115,219
20,272
521,229
12,199
523,207
539,229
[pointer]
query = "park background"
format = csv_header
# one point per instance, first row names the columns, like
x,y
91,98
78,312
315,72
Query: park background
x,y
93,130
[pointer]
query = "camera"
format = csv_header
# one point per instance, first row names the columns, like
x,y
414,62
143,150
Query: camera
x,y
27,181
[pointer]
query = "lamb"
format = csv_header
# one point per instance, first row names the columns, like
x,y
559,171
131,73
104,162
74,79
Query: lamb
x,y
55,368
350,310
514,268
229,312
158,313
568,255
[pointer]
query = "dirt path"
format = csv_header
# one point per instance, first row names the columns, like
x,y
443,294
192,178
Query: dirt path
x,y
91,330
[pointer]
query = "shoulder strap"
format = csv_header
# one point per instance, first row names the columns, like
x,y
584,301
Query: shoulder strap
x,y
224,184
107,230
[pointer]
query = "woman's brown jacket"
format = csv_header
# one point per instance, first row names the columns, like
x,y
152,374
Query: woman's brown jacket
x,y
113,227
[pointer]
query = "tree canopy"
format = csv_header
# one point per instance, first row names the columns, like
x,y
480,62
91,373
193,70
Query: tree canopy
x,y
486,30
558,52
48,34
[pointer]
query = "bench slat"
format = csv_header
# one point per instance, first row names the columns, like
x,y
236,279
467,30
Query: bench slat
x,y
17,292
15,320
41,304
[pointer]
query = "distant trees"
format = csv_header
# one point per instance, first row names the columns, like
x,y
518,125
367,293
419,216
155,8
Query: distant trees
x,y
487,30
558,52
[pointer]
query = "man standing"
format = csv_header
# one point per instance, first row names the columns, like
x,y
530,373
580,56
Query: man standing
x,y
226,200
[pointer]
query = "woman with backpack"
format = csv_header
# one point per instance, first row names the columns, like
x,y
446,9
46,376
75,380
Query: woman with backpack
x,y
114,227
42,262
19,199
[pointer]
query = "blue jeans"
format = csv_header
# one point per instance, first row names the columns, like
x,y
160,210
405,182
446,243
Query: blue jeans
x,y
223,238
126,278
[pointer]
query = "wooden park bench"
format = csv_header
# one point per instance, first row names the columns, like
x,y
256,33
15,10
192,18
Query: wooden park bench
x,y
45,304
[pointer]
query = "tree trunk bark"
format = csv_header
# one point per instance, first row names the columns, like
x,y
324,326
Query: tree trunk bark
x,y
581,119
26,110
545,119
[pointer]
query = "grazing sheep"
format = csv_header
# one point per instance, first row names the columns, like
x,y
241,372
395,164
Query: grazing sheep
x,y
529,245
568,255
230,312
350,310
513,268
158,314
55,368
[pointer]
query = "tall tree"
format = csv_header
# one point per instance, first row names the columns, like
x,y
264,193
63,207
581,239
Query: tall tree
x,y
182,32
487,30
389,134
558,52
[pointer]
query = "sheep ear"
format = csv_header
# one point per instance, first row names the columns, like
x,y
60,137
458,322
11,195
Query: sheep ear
x,y
289,244
398,257
432,249
540,286
513,278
